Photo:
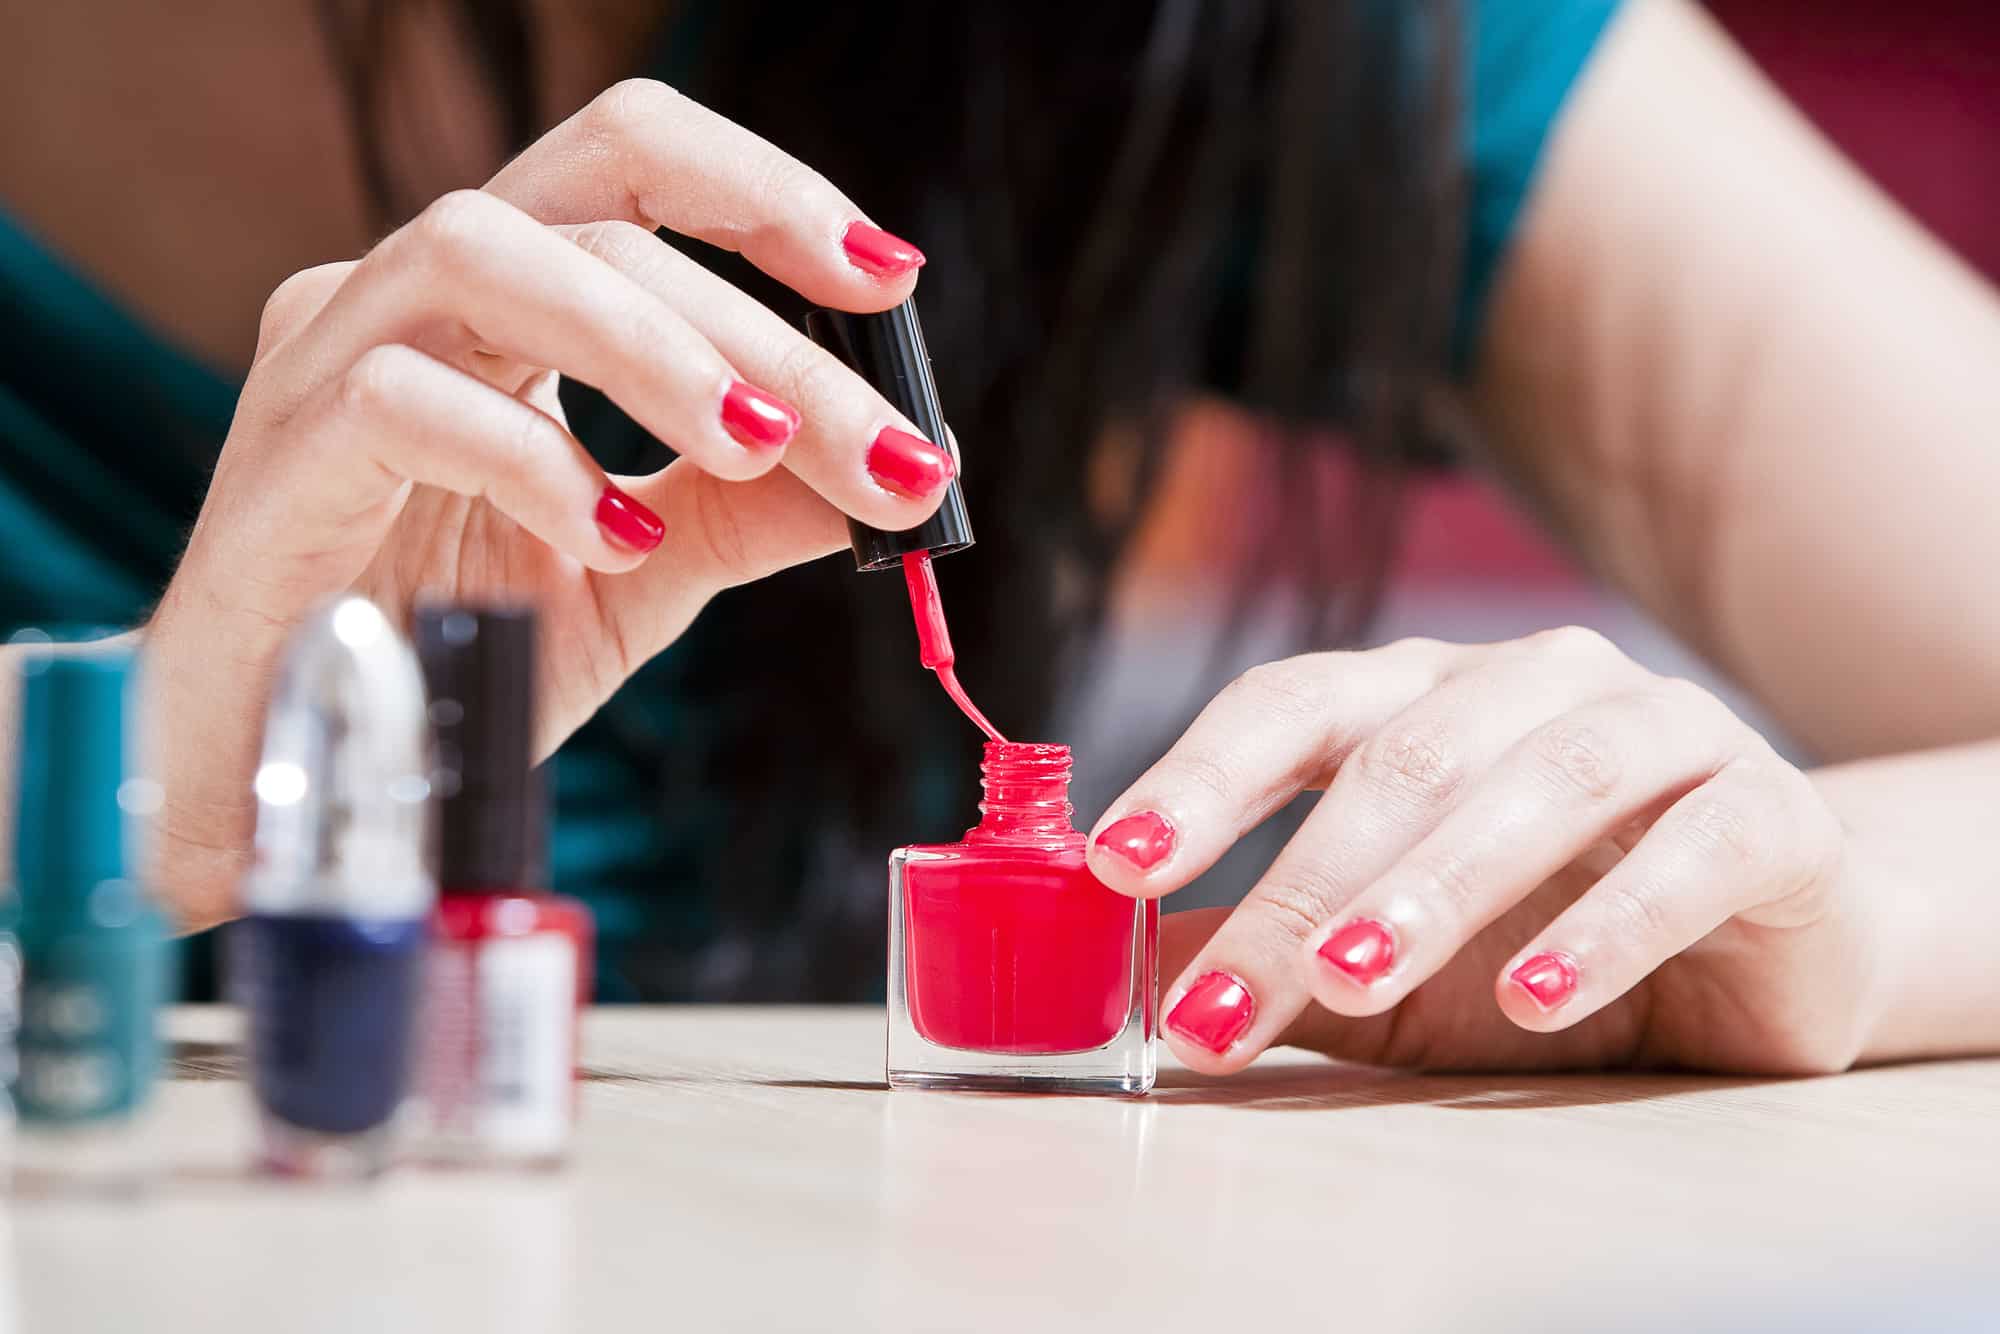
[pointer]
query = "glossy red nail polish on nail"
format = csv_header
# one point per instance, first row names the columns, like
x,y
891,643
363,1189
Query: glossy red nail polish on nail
x,y
878,252
1549,979
908,464
1214,1012
757,419
628,523
1363,950
1011,966
1143,839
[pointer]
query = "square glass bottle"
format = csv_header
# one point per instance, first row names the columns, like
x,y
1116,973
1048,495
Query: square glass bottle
x,y
1011,967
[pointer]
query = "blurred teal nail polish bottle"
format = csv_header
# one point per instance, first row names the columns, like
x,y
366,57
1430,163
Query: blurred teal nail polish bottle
x,y
93,947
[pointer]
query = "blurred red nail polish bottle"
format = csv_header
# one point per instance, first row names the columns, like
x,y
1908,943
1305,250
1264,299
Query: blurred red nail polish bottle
x,y
1010,965
510,962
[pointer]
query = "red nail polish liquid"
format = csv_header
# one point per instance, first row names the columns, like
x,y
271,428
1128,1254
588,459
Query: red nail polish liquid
x,y
1010,966
510,963
934,638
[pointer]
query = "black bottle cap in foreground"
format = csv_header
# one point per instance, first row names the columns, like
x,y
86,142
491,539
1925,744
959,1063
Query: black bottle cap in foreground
x,y
887,350
479,666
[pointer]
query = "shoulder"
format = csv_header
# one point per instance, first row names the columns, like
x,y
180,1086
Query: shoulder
x,y
1521,58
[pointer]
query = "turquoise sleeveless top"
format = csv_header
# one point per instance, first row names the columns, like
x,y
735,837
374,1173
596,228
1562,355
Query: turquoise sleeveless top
x,y
93,404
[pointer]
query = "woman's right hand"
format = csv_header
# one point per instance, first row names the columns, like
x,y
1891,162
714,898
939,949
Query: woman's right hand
x,y
399,435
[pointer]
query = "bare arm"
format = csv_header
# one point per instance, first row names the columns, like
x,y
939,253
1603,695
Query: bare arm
x,y
1761,399
1756,395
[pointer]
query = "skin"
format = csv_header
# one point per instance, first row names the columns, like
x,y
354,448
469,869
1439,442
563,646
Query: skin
x,y
1703,407
1699,403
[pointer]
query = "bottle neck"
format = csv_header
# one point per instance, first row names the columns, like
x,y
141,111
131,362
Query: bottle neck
x,y
1026,790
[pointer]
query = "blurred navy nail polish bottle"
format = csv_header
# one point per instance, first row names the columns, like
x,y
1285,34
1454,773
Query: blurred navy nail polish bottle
x,y
93,949
329,959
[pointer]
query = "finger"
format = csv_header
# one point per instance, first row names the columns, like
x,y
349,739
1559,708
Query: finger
x,y
400,414
717,535
1569,784
1183,935
1276,731
1745,840
474,273
852,446
1387,796
644,153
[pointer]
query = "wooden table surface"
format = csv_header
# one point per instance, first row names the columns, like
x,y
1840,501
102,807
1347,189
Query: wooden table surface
x,y
746,1169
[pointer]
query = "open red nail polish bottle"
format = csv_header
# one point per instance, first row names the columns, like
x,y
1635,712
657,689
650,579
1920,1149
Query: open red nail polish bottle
x,y
1010,965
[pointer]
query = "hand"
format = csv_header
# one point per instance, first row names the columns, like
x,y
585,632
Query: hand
x,y
1528,854
399,434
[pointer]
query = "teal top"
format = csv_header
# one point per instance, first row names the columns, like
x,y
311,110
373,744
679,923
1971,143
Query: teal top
x,y
100,416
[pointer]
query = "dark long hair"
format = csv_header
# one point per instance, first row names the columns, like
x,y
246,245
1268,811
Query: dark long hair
x,y
1125,205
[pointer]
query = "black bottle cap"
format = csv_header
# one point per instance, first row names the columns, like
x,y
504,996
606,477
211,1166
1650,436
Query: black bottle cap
x,y
479,666
887,350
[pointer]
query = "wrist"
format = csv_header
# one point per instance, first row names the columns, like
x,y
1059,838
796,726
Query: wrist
x,y
208,671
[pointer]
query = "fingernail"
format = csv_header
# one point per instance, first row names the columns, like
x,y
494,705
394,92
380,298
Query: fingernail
x,y
1364,950
757,419
1215,1011
908,464
1549,979
879,252
1144,839
628,523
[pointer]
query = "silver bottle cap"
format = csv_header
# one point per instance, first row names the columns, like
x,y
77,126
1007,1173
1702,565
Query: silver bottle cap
x,y
343,794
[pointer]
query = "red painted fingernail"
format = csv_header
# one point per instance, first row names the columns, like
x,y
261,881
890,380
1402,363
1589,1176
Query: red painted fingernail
x,y
1548,978
757,419
1364,950
1143,839
1214,1012
628,523
879,252
908,464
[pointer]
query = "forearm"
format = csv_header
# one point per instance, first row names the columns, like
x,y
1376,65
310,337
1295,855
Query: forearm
x,y
1756,396
1923,848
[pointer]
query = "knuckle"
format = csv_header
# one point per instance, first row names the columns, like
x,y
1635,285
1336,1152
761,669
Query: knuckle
x,y
1637,912
1415,761
1724,830
1578,757
454,225
1290,690
625,246
1415,651
812,377
1296,906
375,382
292,302
1211,773
625,108
781,179
1575,642
1449,878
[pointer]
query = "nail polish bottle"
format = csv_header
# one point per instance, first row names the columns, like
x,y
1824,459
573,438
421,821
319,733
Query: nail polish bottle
x,y
1011,967
328,960
94,964
510,967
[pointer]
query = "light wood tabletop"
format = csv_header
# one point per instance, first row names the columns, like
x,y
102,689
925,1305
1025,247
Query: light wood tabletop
x,y
747,1169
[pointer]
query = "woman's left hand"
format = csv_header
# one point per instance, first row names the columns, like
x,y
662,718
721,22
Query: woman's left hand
x,y
1528,854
